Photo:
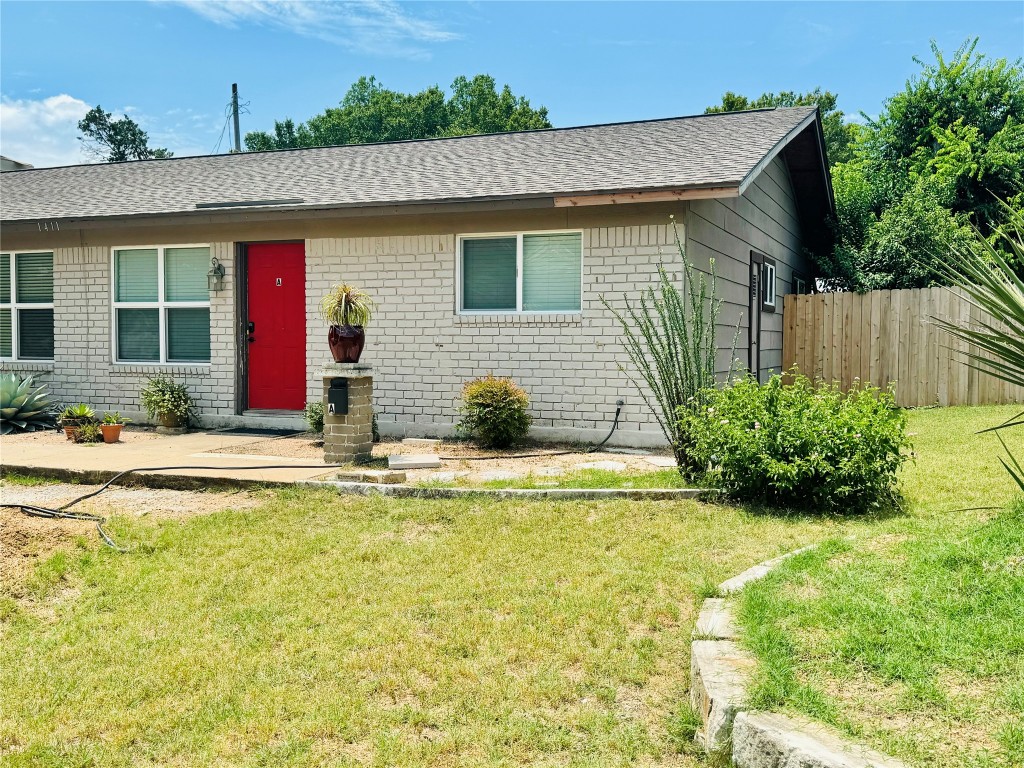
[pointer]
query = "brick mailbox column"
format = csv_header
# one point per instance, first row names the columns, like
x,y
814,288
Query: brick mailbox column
x,y
348,435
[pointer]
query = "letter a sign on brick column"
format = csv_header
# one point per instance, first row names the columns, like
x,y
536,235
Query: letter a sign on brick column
x,y
330,408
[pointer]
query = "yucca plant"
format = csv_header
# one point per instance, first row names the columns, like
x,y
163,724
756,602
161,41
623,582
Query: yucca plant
x,y
989,282
670,339
22,408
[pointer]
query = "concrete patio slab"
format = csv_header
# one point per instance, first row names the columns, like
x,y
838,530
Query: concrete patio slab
x,y
194,451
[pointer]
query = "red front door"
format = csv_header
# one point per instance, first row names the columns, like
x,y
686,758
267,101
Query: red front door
x,y
277,325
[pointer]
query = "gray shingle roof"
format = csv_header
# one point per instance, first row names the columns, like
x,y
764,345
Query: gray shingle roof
x,y
705,150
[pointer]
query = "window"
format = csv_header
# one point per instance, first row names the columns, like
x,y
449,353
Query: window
x,y
768,285
161,305
539,272
26,306
800,286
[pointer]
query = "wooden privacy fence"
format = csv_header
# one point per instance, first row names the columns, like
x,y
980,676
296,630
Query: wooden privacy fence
x,y
890,336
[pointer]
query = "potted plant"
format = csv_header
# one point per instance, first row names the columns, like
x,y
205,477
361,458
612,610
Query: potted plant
x,y
347,310
73,417
112,425
168,402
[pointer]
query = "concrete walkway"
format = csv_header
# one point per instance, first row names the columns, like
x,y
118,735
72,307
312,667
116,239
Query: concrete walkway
x,y
98,462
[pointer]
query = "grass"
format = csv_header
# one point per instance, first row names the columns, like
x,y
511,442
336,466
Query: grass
x,y
581,478
911,637
327,630
319,630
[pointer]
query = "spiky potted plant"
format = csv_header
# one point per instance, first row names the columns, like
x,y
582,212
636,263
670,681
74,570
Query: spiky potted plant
x,y
347,310
74,417
22,408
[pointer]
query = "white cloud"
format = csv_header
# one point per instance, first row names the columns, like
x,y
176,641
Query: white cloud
x,y
43,132
367,26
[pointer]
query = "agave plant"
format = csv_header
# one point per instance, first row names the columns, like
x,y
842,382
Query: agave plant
x,y
22,408
991,284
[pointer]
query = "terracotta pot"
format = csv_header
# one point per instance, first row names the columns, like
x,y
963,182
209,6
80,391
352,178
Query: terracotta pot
x,y
69,432
170,420
346,342
111,432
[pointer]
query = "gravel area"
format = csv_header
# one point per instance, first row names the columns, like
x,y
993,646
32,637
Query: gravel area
x,y
130,434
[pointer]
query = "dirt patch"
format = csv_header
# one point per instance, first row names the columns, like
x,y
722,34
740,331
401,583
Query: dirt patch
x,y
25,540
130,434
468,462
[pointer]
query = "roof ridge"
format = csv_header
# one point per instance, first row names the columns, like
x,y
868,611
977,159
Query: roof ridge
x,y
411,141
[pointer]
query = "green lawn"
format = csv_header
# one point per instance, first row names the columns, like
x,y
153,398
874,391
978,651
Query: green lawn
x,y
327,630
911,635
323,630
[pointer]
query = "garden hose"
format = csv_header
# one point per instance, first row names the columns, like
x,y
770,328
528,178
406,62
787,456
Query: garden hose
x,y
61,512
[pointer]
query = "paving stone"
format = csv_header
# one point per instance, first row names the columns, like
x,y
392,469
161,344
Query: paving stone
x,y
548,471
445,477
388,476
759,571
499,474
719,676
715,621
610,466
770,740
661,461
413,461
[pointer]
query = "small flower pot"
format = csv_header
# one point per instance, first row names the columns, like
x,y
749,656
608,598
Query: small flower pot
x,y
70,432
111,432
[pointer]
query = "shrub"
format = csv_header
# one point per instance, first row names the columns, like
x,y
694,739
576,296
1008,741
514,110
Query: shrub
x,y
801,445
87,432
162,396
494,411
22,408
314,414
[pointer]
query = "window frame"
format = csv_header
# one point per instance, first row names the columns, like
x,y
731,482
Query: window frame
x,y
161,305
798,282
15,306
769,265
518,235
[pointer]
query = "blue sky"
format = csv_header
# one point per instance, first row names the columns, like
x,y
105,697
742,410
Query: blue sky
x,y
170,63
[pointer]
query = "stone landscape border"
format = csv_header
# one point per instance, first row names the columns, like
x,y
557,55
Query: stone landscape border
x,y
429,492
720,674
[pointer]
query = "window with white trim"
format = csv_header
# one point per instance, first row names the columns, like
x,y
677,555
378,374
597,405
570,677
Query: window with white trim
x,y
26,306
525,272
768,285
161,304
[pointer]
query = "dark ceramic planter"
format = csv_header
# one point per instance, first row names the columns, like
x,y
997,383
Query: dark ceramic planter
x,y
346,342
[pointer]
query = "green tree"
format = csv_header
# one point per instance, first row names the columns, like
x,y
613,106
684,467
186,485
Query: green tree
x,y
941,165
369,112
838,134
115,141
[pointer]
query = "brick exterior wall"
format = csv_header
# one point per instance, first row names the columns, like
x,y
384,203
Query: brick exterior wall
x,y
84,370
422,351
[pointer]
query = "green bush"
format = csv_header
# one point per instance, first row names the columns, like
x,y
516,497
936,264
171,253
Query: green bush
x,y
314,414
800,445
163,397
494,412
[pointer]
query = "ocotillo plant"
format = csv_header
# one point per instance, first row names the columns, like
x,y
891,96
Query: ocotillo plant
x,y
670,338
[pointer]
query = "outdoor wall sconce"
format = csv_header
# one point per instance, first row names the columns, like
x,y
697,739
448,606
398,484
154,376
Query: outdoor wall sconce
x,y
215,277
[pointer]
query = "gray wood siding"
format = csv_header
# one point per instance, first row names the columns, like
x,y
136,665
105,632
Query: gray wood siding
x,y
763,219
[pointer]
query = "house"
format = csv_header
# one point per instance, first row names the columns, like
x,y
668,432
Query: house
x,y
7,164
486,254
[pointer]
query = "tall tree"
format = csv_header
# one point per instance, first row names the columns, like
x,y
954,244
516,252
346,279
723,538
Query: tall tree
x,y
944,158
369,112
115,141
838,134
